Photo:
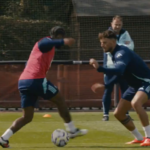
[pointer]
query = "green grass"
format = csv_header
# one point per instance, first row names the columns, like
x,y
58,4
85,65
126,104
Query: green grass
x,y
109,135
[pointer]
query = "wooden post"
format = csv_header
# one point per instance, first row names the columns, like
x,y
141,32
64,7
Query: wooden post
x,y
66,81
60,70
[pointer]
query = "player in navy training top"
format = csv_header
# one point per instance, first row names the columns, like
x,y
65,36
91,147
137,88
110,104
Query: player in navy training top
x,y
137,74
33,84
123,38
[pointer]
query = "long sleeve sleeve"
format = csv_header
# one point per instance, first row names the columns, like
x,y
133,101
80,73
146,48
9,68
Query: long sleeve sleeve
x,y
46,44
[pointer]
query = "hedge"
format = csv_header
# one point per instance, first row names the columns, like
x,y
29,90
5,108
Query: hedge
x,y
21,35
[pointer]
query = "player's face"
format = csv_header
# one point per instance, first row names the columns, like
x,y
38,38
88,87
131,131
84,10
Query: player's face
x,y
107,44
116,25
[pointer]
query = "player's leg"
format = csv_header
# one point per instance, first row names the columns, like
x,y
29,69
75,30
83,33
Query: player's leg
x,y
65,114
27,117
53,94
106,101
139,99
27,102
120,113
123,87
137,103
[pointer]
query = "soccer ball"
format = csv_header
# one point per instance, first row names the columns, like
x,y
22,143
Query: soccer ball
x,y
60,137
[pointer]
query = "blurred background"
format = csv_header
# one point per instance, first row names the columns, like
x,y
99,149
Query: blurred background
x,y
23,22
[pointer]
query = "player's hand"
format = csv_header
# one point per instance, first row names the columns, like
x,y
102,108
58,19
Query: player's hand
x,y
69,41
97,87
94,63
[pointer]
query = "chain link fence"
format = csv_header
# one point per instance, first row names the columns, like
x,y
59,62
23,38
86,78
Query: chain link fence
x,y
23,22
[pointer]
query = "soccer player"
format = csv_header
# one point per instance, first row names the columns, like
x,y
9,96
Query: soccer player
x,y
123,38
137,74
33,84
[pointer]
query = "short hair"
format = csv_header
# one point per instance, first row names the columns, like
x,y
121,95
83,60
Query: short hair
x,y
117,17
107,34
57,30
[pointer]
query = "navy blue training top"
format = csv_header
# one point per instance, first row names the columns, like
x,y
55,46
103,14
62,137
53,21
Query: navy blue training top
x,y
129,65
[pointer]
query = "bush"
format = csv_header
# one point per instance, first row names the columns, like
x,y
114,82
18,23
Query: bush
x,y
21,35
39,9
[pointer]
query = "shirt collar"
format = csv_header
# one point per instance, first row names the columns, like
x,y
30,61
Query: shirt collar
x,y
116,49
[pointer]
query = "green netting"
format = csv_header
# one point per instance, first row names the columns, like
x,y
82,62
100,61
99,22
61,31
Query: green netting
x,y
23,22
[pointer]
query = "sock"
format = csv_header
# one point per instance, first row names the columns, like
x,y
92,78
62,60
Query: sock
x,y
70,126
8,133
147,131
137,134
106,115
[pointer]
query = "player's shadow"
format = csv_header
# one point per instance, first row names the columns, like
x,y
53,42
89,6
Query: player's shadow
x,y
86,147
117,147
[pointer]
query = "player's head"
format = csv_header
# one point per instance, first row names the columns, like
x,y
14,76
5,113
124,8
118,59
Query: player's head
x,y
57,32
108,40
117,23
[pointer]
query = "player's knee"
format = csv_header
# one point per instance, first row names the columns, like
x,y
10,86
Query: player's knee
x,y
135,104
27,118
58,99
116,114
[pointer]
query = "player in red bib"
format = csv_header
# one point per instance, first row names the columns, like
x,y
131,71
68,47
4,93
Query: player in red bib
x,y
33,84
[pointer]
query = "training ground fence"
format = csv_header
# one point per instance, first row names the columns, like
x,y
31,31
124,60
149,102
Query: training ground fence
x,y
73,78
23,22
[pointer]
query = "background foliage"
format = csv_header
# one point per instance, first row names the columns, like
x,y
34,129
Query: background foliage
x,y
18,18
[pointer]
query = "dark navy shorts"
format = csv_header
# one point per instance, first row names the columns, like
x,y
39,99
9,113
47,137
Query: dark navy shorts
x,y
31,89
130,92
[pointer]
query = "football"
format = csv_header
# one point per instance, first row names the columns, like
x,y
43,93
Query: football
x,y
60,137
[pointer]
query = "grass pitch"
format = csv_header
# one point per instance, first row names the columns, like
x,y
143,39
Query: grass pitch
x,y
109,135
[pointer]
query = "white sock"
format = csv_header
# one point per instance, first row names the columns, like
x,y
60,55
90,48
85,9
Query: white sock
x,y
147,131
70,126
106,115
137,134
8,133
